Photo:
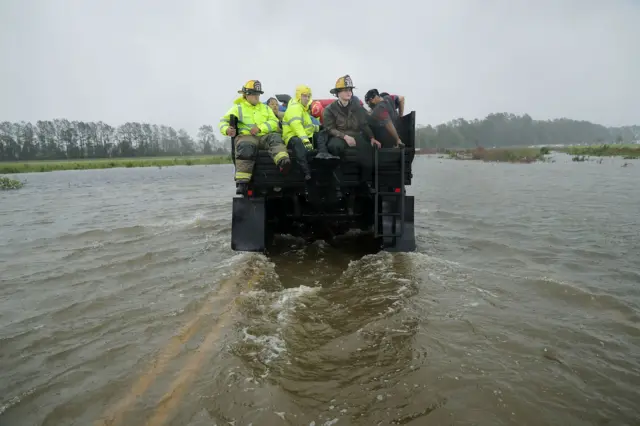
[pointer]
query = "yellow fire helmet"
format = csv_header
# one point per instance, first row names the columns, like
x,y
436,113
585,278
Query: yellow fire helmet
x,y
343,82
251,87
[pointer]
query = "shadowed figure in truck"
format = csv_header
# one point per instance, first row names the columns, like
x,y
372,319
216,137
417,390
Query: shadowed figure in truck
x,y
384,117
275,107
257,127
398,102
346,122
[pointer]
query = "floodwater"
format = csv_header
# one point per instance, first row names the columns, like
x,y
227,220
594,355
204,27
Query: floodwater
x,y
121,303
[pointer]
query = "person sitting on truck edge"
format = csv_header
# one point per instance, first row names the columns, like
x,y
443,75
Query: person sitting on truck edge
x,y
277,109
318,106
346,122
273,104
384,116
298,128
257,128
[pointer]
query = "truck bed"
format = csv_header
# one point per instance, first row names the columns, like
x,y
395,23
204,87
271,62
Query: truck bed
x,y
275,205
266,175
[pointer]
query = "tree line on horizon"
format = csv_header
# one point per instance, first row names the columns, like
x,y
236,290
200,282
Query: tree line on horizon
x,y
61,139
507,130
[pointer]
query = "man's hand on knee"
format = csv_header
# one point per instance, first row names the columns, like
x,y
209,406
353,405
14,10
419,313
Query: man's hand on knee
x,y
349,140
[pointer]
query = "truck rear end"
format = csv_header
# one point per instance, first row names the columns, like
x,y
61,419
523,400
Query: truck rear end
x,y
276,204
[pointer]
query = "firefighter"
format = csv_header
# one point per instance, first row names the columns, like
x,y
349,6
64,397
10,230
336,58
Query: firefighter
x,y
298,129
257,128
346,123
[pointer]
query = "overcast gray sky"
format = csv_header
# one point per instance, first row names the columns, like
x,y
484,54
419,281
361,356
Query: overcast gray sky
x,y
180,63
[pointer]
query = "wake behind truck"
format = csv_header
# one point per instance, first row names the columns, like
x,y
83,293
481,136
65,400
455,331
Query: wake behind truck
x,y
275,204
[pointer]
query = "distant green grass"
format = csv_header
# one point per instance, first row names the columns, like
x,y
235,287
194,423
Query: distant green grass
x,y
108,163
628,151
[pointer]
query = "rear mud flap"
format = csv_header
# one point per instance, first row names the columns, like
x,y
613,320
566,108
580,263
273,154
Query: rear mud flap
x,y
407,241
248,225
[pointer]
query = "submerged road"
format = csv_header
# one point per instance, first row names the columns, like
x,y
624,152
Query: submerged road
x,y
121,303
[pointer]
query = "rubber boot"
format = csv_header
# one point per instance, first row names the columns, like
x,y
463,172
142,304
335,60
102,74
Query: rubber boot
x,y
241,188
325,156
323,150
284,165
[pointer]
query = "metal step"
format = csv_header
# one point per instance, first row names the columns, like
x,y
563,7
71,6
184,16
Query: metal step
x,y
397,216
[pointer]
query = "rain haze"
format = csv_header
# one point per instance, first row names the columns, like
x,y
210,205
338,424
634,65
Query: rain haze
x,y
181,63
471,273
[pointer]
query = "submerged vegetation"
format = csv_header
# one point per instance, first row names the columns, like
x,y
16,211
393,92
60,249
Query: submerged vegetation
x,y
107,163
8,183
530,155
504,155
627,151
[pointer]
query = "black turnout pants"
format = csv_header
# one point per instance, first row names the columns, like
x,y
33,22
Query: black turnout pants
x,y
338,146
301,154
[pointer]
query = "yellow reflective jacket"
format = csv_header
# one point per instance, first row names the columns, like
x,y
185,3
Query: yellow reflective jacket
x,y
248,116
297,120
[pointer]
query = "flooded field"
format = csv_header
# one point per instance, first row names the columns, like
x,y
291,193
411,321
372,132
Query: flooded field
x,y
121,303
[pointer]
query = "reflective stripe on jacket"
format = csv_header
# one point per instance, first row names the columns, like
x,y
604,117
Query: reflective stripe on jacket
x,y
248,116
297,120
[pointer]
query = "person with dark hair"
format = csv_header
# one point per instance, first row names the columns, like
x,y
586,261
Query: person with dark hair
x,y
398,102
273,104
384,116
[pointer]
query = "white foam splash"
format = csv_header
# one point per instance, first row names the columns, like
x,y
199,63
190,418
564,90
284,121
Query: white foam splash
x,y
287,300
272,345
15,401
284,302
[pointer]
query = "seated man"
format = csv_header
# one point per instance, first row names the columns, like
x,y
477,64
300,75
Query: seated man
x,y
257,128
318,106
384,117
346,122
298,128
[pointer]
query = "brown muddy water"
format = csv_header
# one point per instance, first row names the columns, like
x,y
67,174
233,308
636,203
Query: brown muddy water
x,y
121,303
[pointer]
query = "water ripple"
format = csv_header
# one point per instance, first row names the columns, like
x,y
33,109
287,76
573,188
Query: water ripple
x,y
120,298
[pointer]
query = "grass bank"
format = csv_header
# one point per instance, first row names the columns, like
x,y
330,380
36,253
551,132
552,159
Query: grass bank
x,y
503,155
108,163
626,151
